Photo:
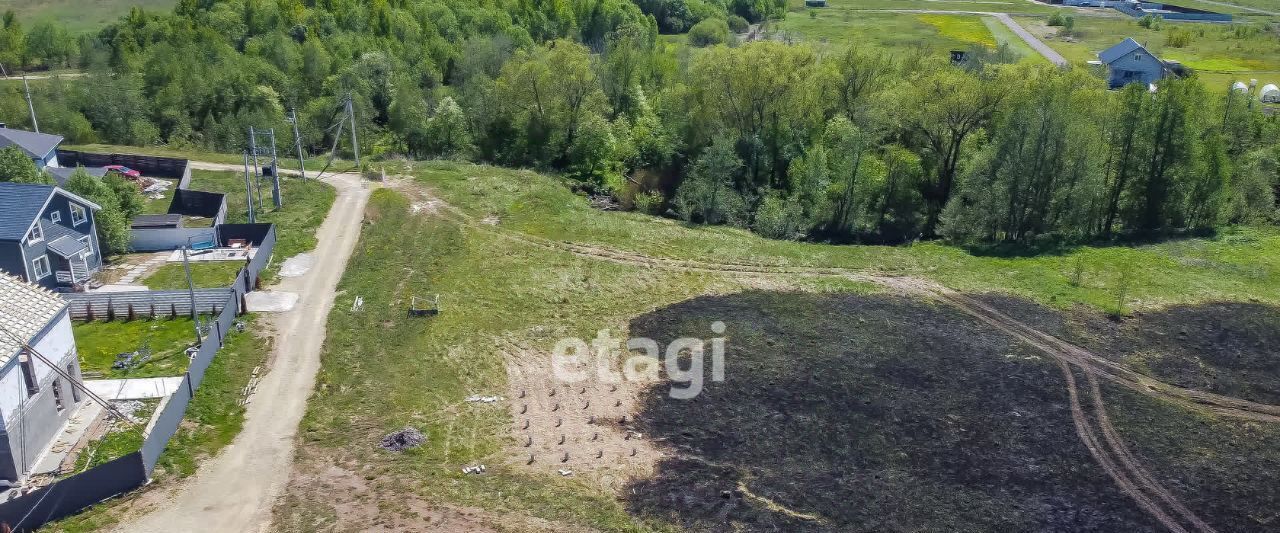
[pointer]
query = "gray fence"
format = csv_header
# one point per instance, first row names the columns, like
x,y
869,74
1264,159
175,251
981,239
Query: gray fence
x,y
73,494
144,304
161,239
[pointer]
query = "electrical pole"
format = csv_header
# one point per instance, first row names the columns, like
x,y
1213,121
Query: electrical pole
x,y
355,145
275,173
297,144
248,188
191,290
257,173
27,88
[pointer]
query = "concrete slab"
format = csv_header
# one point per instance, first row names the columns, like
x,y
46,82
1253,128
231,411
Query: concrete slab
x,y
297,265
216,254
134,389
270,301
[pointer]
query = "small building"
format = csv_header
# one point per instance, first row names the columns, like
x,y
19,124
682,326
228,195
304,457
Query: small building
x,y
815,3
48,236
42,148
35,401
1270,94
1130,62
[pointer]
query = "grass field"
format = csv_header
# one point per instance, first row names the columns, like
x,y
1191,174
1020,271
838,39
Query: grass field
x,y
80,16
204,275
990,6
99,342
900,31
972,428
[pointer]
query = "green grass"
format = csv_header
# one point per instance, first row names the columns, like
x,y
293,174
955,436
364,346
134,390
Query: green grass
x,y
1004,36
888,30
80,16
204,275
1002,6
1237,265
99,342
305,206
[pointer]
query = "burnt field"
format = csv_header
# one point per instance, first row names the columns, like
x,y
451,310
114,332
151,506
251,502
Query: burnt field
x,y
886,413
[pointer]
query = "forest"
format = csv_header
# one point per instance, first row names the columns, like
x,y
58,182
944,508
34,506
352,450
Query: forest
x,y
791,140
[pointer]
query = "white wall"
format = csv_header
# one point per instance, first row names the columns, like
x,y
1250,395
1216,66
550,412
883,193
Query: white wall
x,y
55,345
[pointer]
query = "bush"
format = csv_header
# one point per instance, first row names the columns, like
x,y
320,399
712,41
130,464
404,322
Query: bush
x,y
1178,38
738,24
648,202
1057,19
709,32
779,217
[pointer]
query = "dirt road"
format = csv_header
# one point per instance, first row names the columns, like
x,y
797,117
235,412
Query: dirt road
x,y
235,491
1049,53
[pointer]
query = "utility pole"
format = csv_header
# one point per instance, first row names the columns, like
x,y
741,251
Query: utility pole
x,y
191,290
248,188
297,144
275,173
27,88
257,173
355,145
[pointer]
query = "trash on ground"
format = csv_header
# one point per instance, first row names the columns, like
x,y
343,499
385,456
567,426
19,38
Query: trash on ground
x,y
402,440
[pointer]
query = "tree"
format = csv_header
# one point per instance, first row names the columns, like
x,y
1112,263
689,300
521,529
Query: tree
x,y
547,94
448,130
112,220
16,167
709,32
943,108
708,195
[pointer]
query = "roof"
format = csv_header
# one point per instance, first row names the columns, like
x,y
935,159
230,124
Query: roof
x,y
1126,47
22,203
67,247
25,310
63,174
34,144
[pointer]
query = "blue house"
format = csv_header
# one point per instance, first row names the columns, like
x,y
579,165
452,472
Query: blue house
x,y
48,236
1130,62
42,148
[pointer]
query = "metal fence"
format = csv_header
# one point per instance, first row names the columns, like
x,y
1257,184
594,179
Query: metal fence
x,y
144,304
72,494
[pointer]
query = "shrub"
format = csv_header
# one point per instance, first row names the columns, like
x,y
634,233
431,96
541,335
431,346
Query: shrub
x,y
738,24
1178,38
1057,19
648,202
709,32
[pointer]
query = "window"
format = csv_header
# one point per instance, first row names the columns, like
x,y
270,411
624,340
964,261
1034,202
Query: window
x,y
57,394
40,266
28,373
36,234
78,215
1137,57
87,242
55,216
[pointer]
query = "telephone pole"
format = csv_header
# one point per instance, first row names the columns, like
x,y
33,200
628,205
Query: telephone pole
x,y
27,88
355,144
248,187
297,144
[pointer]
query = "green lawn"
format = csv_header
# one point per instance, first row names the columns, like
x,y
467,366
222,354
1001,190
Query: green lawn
x,y
99,342
997,6
204,275
80,16
900,31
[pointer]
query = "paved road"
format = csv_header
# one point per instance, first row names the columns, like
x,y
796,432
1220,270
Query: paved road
x,y
1049,53
236,490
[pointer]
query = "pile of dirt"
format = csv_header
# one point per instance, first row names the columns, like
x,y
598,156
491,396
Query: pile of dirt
x,y
398,441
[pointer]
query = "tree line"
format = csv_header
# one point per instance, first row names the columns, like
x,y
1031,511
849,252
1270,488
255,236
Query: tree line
x,y
791,140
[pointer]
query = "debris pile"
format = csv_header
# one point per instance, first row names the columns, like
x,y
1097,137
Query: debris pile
x,y
129,408
483,399
404,439
477,469
604,202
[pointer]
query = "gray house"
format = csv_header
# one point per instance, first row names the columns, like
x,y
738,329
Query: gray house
x,y
42,148
48,236
1130,62
35,401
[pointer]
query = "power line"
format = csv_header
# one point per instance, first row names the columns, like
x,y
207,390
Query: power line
x,y
74,382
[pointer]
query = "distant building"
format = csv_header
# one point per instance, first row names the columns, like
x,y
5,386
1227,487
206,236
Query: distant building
x,y
815,3
48,236
40,147
1130,62
1270,94
35,401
